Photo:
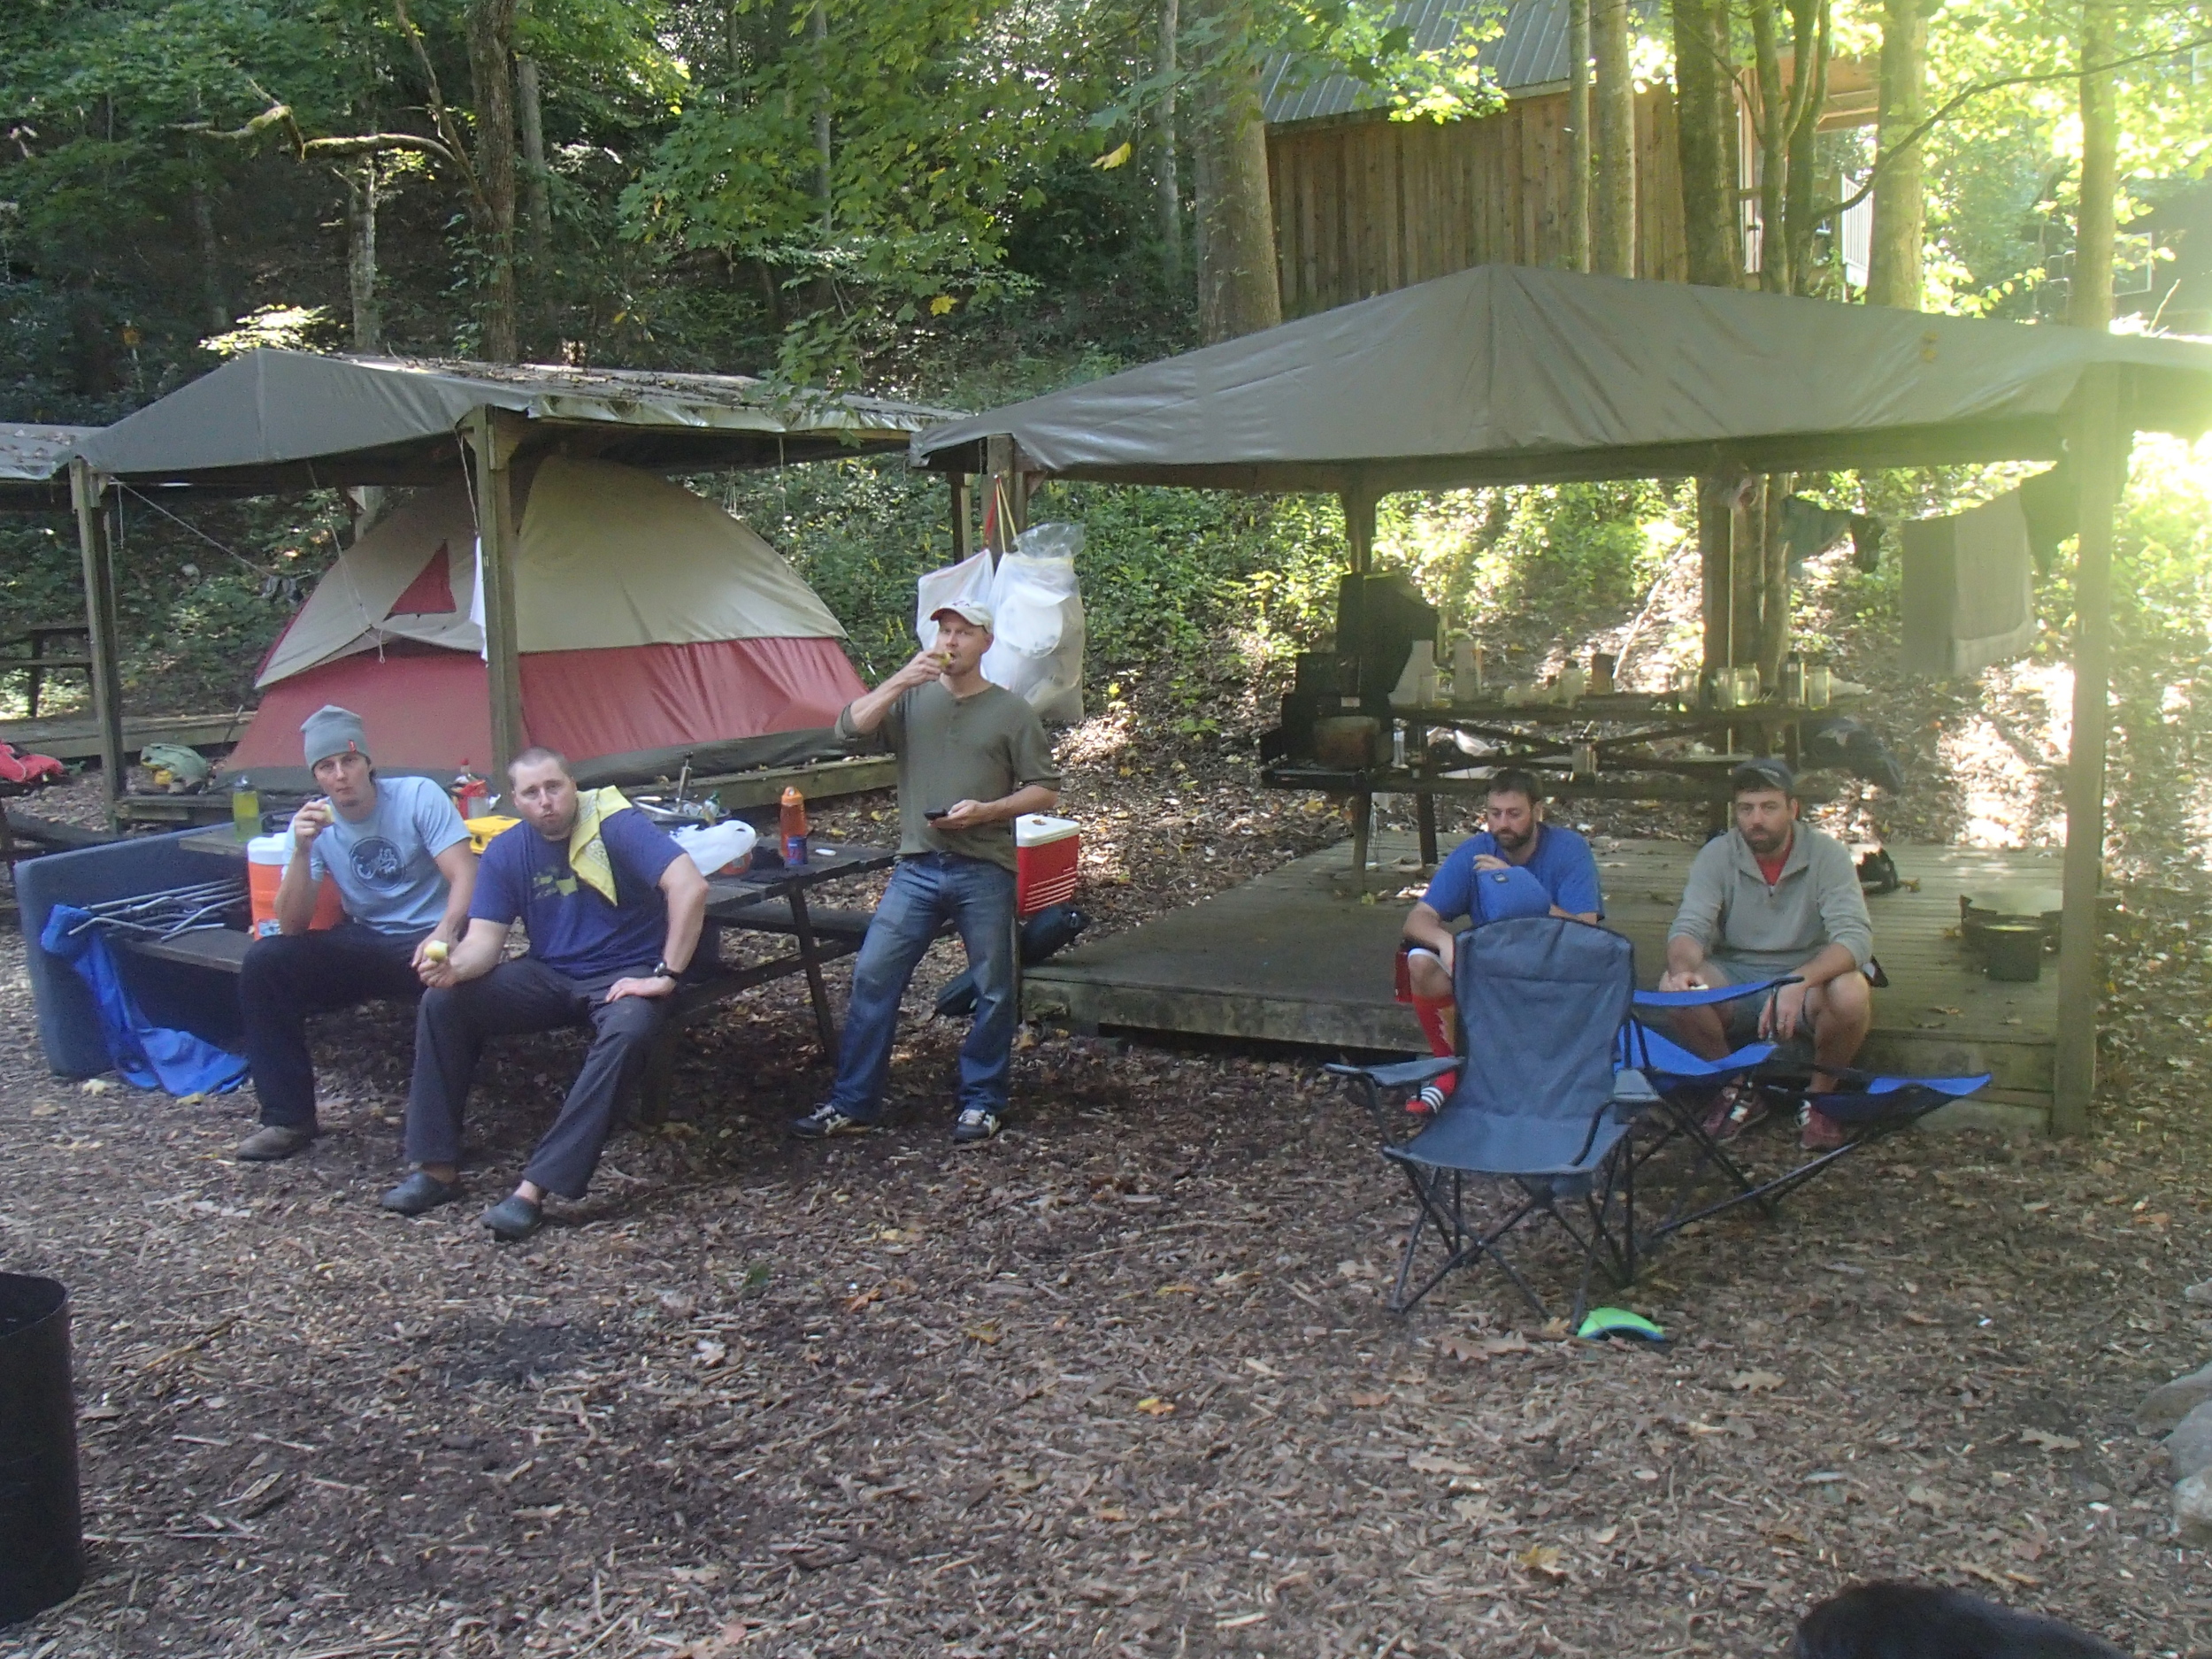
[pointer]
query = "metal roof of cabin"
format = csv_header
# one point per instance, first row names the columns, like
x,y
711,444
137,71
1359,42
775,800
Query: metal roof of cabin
x,y
1530,52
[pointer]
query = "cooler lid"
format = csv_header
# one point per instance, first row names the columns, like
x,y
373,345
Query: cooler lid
x,y
1037,829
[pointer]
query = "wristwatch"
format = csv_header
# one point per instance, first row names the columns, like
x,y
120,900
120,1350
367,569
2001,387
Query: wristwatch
x,y
662,971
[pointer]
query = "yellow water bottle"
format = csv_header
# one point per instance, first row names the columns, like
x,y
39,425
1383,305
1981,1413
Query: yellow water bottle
x,y
245,809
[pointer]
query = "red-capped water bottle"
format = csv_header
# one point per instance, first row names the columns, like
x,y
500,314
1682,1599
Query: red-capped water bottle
x,y
791,826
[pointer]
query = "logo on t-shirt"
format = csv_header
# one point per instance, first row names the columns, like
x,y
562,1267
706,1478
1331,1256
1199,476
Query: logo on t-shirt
x,y
378,862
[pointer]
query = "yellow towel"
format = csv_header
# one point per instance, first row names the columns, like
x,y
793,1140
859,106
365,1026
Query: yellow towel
x,y
586,851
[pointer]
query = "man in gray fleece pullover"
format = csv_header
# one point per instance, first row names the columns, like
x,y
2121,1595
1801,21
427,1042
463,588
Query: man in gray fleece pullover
x,y
1773,898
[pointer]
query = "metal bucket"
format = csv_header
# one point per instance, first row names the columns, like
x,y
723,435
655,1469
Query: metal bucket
x,y
42,1545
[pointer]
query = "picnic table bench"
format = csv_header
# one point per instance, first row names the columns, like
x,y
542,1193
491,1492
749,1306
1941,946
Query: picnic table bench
x,y
772,901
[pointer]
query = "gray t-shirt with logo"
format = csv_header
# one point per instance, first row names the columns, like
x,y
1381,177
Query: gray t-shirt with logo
x,y
386,864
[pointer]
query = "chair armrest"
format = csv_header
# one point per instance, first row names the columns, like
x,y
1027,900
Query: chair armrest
x,y
1396,1073
1633,1094
1711,994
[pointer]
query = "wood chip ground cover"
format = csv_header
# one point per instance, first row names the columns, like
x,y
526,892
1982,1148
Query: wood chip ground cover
x,y
1121,1382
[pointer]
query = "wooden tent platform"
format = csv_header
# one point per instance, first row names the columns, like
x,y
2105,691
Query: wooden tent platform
x,y
1300,956
77,736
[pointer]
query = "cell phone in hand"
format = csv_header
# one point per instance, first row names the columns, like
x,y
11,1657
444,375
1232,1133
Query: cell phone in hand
x,y
933,813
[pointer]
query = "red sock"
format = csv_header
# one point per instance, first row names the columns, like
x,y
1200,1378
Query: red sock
x,y
1435,1015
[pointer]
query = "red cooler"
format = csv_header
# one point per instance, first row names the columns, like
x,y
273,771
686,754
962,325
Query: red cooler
x,y
1045,851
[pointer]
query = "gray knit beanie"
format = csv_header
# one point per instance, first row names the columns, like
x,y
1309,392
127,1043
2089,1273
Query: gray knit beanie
x,y
332,730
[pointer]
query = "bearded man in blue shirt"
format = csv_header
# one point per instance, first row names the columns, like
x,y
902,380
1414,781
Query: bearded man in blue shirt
x,y
1517,865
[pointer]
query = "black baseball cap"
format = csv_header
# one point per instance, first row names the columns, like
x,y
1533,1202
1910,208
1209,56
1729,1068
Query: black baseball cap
x,y
1763,772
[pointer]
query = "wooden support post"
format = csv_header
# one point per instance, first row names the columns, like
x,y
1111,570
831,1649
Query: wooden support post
x,y
1359,525
2099,454
86,491
963,525
1004,512
493,435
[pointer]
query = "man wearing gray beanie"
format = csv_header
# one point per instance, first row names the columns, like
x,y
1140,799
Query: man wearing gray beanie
x,y
399,854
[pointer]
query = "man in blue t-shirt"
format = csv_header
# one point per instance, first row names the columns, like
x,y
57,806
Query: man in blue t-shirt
x,y
1519,865
399,856
612,907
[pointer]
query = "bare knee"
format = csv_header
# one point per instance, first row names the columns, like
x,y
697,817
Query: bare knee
x,y
1846,1002
1426,976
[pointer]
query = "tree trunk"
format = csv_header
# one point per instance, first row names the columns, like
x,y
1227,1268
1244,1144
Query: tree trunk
x,y
1774,580
215,303
1578,135
1773,146
1894,275
2089,298
1170,185
491,37
368,325
537,190
1810,20
1705,128
1238,292
1613,213
817,36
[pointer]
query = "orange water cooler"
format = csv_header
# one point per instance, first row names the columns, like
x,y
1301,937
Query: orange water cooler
x,y
267,856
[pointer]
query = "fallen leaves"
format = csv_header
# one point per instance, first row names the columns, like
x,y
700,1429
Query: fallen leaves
x,y
1153,1406
1543,1561
1756,1382
2049,1441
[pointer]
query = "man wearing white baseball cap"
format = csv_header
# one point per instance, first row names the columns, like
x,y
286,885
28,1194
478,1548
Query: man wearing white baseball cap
x,y
972,759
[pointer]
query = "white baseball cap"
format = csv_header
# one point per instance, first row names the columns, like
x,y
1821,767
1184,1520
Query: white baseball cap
x,y
972,610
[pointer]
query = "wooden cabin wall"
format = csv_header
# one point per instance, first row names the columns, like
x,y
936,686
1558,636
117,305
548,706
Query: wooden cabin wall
x,y
1364,205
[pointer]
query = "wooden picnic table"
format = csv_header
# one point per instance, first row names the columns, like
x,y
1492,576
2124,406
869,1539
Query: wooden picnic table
x,y
772,901
1601,747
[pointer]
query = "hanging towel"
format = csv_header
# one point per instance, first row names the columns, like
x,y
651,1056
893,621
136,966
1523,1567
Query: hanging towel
x,y
146,1055
587,849
1969,589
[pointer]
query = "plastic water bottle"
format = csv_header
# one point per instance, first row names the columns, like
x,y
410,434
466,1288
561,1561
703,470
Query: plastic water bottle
x,y
791,826
245,809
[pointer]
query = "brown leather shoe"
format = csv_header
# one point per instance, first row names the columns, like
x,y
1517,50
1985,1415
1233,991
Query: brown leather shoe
x,y
273,1142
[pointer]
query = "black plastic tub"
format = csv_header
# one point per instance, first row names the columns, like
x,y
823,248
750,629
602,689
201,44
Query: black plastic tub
x,y
41,1543
2013,950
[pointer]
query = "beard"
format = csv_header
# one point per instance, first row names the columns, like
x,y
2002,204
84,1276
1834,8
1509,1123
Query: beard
x,y
1512,844
1766,842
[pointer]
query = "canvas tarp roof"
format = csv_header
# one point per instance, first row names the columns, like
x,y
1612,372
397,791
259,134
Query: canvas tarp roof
x,y
272,419
32,462
606,556
1511,373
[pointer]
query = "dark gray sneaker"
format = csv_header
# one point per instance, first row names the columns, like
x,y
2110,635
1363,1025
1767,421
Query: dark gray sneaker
x,y
273,1142
973,1124
827,1120
514,1219
421,1191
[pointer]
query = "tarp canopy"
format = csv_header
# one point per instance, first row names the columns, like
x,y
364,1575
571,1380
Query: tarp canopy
x,y
33,462
1517,374
649,621
272,419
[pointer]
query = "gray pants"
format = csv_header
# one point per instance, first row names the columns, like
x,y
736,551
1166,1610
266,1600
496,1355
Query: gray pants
x,y
514,998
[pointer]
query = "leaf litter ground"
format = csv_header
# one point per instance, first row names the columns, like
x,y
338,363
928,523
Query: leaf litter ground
x,y
1121,1381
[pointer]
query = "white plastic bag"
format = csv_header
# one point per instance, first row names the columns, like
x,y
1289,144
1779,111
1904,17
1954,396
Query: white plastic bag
x,y
716,847
1037,610
954,584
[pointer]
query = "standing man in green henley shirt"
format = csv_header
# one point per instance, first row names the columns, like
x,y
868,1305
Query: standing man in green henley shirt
x,y
972,759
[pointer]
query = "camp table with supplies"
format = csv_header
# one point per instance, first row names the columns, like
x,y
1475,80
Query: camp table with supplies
x,y
770,901
1601,745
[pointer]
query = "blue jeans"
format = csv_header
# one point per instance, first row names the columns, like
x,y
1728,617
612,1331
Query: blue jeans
x,y
925,891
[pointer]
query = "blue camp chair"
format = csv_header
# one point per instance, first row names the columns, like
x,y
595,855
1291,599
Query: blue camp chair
x,y
1871,1107
1541,1108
